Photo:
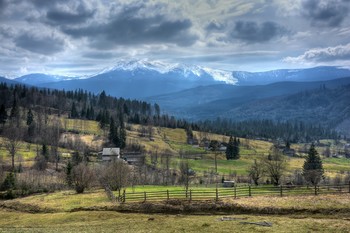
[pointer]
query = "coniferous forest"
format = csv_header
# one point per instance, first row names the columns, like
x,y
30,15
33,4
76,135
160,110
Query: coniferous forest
x,y
20,101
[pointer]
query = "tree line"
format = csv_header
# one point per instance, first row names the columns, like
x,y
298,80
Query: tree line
x,y
292,131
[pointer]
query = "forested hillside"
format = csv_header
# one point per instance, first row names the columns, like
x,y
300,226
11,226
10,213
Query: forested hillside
x,y
23,103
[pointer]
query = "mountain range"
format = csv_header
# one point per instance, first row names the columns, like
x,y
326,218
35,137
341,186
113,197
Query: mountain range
x,y
41,79
197,93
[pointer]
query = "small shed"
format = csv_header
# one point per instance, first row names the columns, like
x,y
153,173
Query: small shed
x,y
228,184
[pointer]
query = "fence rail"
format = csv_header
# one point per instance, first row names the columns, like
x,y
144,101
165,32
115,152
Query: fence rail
x,y
234,192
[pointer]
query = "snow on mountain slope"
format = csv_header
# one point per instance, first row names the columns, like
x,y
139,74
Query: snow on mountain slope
x,y
37,78
183,70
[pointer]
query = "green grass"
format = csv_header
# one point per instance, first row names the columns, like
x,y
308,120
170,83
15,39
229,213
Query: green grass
x,y
66,200
224,166
188,149
117,222
112,221
82,126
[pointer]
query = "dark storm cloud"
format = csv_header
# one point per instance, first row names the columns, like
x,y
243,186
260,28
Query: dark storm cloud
x,y
60,17
3,4
131,26
326,13
45,45
47,3
252,32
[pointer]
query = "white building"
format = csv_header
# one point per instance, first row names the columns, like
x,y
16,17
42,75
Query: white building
x,y
108,154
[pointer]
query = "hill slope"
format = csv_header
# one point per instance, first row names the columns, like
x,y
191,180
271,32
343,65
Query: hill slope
x,y
38,79
213,101
322,73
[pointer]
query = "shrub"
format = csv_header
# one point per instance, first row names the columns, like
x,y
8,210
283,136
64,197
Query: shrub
x,y
9,182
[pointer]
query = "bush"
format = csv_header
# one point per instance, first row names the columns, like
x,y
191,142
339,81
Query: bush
x,y
40,163
9,182
34,181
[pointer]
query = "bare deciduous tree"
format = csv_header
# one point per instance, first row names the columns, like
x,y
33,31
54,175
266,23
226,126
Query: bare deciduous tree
x,y
166,162
82,177
186,173
256,171
12,141
115,175
275,165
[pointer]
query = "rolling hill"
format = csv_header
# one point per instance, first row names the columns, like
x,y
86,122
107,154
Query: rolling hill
x,y
322,73
213,101
39,79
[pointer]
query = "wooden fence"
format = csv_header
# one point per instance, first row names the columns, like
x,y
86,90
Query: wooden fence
x,y
234,192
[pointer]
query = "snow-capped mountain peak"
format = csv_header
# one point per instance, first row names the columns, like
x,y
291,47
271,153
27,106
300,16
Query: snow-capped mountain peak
x,y
184,70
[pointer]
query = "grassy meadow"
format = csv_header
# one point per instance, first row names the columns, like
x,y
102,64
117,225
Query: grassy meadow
x,y
174,141
57,212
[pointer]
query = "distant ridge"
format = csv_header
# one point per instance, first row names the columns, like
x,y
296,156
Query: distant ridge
x,y
321,73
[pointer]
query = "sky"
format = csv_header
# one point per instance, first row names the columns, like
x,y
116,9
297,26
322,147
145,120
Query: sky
x,y
82,37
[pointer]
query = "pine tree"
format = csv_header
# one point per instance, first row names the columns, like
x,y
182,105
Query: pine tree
x,y
69,169
83,113
30,117
45,151
14,110
235,149
230,149
113,133
122,136
3,114
74,111
313,168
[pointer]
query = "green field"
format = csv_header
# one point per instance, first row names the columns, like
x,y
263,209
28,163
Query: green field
x,y
62,215
104,221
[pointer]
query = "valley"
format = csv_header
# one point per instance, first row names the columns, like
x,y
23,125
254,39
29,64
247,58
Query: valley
x,y
174,156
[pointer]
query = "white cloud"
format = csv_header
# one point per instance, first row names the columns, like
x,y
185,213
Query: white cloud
x,y
323,55
54,35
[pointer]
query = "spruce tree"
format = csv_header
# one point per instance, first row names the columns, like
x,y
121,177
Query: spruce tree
x,y
3,114
30,117
235,149
74,111
230,149
14,110
313,168
69,178
113,133
45,151
122,132
122,137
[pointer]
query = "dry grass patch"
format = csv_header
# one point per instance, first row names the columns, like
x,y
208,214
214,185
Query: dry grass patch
x,y
324,201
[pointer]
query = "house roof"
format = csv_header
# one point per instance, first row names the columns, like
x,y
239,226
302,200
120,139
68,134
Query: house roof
x,y
111,151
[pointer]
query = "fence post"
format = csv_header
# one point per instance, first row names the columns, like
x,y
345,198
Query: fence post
x,y
250,191
144,196
281,190
216,194
167,194
190,195
124,195
235,190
